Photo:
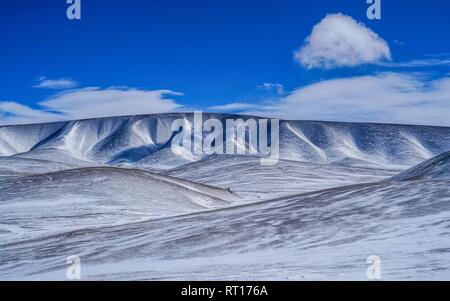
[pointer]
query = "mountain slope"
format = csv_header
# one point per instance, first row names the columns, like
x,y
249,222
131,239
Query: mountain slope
x,y
145,141
437,168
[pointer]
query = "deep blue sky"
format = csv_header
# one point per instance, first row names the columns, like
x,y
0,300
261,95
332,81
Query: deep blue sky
x,y
213,51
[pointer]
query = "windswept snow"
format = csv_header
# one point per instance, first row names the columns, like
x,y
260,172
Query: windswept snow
x,y
111,191
99,196
255,182
436,168
145,141
322,235
22,138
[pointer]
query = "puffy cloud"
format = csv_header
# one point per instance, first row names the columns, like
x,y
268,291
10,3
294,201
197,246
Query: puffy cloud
x,y
90,103
61,83
338,40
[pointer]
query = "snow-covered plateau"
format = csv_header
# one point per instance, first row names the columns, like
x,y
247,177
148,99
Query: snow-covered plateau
x,y
112,191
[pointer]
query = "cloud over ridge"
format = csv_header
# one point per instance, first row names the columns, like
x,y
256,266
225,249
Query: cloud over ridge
x,y
387,97
90,103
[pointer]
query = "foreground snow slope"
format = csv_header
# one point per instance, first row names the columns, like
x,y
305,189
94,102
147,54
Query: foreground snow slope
x,y
321,235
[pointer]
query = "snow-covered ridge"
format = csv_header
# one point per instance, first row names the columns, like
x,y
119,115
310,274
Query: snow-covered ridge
x,y
437,168
145,141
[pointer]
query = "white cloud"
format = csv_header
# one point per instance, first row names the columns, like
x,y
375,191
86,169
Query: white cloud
x,y
384,97
338,40
231,107
409,98
90,103
57,84
13,112
279,88
431,62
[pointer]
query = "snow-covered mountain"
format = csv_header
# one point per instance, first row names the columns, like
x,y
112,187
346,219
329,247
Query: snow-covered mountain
x,y
145,141
111,191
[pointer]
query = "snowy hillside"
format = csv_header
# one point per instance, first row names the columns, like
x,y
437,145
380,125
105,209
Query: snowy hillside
x,y
99,196
320,235
145,140
112,191
435,168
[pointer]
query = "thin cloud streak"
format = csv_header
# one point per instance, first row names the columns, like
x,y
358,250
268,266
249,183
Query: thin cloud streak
x,y
235,107
56,84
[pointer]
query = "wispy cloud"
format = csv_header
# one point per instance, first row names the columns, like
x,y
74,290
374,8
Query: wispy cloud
x,y
389,97
384,97
90,103
278,88
428,62
12,112
57,84
340,41
231,107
